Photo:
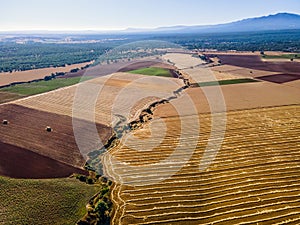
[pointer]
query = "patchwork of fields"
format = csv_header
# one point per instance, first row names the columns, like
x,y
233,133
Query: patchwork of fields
x,y
252,178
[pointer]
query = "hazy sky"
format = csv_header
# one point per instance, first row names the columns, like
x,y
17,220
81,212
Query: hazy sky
x,y
121,14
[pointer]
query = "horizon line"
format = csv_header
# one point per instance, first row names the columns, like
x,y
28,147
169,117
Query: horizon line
x,y
130,28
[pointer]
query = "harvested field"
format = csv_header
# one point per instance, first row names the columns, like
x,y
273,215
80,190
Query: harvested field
x,y
28,75
26,130
238,97
118,99
294,84
183,61
193,67
61,101
253,179
23,163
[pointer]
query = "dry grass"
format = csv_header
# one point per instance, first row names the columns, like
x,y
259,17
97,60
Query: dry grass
x,y
254,177
61,101
182,61
28,75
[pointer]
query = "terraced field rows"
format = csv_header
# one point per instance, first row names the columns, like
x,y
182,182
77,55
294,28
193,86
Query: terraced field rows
x,y
254,178
102,93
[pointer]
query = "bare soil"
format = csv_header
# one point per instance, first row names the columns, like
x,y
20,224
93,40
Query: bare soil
x,y
122,66
280,78
26,129
255,62
22,163
138,65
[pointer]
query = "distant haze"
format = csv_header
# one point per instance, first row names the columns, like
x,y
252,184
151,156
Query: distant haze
x,y
123,14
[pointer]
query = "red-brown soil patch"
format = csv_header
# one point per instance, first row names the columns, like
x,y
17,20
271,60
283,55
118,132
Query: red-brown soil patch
x,y
21,163
137,65
280,78
26,129
105,69
255,62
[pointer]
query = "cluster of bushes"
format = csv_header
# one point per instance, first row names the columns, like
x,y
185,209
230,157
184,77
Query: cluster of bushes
x,y
100,206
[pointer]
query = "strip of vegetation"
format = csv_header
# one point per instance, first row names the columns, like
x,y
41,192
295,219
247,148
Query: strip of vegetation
x,y
152,71
283,56
56,201
224,82
33,88
100,206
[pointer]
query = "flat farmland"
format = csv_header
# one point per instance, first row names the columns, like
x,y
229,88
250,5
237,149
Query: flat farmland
x,y
25,140
26,135
253,65
43,201
109,87
253,179
255,62
28,75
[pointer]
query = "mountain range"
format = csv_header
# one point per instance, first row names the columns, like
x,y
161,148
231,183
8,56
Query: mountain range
x,y
280,21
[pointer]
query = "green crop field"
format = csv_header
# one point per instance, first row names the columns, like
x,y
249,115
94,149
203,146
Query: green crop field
x,y
42,86
152,71
283,56
226,82
50,201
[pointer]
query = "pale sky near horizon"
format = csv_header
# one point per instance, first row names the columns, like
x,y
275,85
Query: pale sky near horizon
x,y
122,14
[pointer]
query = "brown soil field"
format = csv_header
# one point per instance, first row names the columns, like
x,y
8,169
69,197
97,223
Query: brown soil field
x,y
28,75
240,71
23,163
253,179
280,78
29,117
26,130
138,65
255,62
121,66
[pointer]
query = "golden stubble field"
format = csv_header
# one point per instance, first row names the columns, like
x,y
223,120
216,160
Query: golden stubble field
x,y
253,178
